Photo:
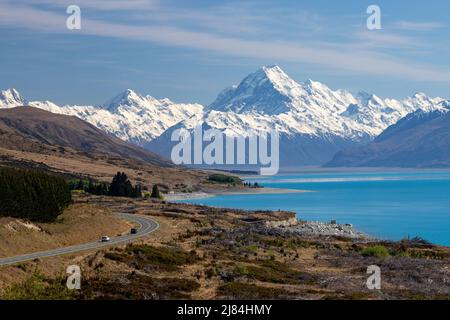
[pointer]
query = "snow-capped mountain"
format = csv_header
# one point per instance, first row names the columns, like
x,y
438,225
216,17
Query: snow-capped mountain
x,y
421,139
312,107
129,116
313,120
11,98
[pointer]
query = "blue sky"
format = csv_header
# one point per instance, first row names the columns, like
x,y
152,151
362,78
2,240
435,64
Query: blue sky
x,y
189,51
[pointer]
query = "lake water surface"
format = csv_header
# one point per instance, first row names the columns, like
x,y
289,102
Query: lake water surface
x,y
390,205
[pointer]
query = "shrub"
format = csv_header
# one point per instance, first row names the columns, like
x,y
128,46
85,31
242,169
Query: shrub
x,y
375,251
272,271
239,290
163,258
139,287
32,195
38,287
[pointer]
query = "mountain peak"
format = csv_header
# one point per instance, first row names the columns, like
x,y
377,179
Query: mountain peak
x,y
315,85
420,95
126,98
273,70
11,98
277,76
366,98
268,90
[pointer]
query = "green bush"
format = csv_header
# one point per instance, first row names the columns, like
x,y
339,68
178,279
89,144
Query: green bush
x,y
163,258
32,195
375,251
38,287
272,271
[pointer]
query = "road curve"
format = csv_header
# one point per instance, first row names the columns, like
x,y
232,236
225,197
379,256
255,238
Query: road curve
x,y
146,226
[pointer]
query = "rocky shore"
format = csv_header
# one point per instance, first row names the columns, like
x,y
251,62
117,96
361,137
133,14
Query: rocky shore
x,y
313,228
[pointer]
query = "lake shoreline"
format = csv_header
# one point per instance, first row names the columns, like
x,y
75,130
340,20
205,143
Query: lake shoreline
x,y
299,227
176,197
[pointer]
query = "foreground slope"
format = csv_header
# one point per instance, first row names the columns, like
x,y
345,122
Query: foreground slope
x,y
204,253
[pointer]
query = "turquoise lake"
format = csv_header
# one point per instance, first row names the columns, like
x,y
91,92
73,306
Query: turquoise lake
x,y
389,205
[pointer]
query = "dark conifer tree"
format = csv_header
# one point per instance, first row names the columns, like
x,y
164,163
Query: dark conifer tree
x,y
32,195
155,192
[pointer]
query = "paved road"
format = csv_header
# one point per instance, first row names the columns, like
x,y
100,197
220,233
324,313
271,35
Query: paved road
x,y
146,226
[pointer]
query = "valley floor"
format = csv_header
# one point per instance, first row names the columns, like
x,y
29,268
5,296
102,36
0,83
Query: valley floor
x,y
208,253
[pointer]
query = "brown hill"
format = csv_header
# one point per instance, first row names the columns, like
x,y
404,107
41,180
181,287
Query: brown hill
x,y
34,138
25,128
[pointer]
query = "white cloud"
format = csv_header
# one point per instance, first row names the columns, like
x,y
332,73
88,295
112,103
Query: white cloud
x,y
386,39
418,26
107,5
354,57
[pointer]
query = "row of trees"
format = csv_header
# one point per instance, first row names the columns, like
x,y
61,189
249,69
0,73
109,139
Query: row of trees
x,y
251,185
32,195
119,187
90,187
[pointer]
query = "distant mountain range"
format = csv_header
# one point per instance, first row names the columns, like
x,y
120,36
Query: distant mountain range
x,y
129,116
314,121
421,139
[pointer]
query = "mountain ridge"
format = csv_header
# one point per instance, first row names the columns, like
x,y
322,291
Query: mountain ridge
x,y
37,126
265,100
419,140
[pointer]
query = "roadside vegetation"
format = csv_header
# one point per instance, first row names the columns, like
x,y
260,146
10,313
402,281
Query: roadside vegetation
x,y
39,287
158,258
120,186
32,195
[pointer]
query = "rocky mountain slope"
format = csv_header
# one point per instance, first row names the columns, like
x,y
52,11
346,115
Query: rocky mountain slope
x,y
421,139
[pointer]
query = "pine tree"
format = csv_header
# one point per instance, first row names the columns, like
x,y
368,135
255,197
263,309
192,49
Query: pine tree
x,y
155,192
137,191
104,189
121,186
